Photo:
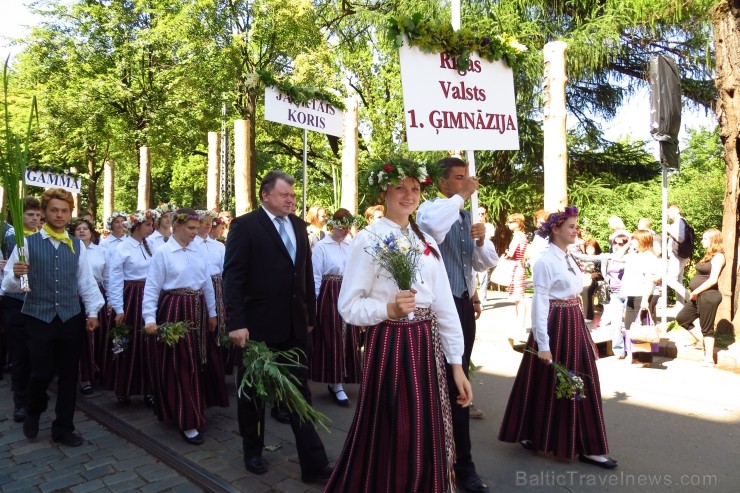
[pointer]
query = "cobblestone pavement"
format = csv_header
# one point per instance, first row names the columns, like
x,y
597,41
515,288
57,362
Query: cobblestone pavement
x,y
673,420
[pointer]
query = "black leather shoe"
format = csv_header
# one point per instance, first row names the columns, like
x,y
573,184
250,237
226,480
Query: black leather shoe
x,y
149,400
86,390
527,444
280,415
256,465
69,439
341,402
609,463
472,484
19,414
196,440
320,476
31,425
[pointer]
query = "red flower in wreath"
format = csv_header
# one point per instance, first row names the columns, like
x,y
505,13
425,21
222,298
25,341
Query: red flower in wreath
x,y
388,168
428,181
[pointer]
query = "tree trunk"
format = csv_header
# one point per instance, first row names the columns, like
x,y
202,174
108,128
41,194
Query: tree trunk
x,y
252,201
145,179
726,23
350,152
109,189
214,171
555,155
92,186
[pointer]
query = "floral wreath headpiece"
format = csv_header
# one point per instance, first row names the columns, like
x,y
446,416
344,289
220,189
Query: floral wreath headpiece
x,y
217,220
393,170
164,208
556,219
139,217
344,223
182,218
206,215
113,216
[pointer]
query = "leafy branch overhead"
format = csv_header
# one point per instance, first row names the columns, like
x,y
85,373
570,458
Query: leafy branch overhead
x,y
432,36
298,93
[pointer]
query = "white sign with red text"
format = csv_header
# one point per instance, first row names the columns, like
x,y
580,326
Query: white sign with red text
x,y
315,115
446,108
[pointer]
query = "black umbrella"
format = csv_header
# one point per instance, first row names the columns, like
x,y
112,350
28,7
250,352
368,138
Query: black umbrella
x,y
665,107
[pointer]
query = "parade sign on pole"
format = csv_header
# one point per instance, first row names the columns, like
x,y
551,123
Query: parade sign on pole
x,y
315,115
447,108
47,179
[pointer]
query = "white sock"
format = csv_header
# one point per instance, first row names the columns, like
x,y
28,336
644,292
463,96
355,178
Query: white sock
x,y
338,389
191,433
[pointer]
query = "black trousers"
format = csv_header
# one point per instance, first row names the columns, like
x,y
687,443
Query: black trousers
x,y
704,308
19,359
54,347
251,416
464,465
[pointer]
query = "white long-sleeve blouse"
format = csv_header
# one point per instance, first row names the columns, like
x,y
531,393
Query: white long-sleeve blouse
x,y
329,259
367,288
129,262
176,267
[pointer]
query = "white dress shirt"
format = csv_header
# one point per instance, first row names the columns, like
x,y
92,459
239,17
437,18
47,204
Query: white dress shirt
x,y
640,271
156,240
553,280
98,258
111,243
288,227
367,289
329,259
129,262
436,217
213,251
175,267
87,287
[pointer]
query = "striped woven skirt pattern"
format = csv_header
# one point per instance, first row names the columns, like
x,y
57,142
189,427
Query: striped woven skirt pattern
x,y
561,426
127,374
336,356
92,362
178,372
230,353
401,435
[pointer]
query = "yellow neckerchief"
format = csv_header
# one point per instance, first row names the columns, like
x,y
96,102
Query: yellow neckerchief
x,y
27,232
62,237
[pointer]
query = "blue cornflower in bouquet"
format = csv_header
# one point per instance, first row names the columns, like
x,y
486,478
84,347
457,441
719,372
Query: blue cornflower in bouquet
x,y
400,256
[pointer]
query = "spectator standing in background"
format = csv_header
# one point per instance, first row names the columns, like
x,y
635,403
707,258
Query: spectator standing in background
x,y
484,275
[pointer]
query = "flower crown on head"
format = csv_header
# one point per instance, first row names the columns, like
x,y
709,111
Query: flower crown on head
x,y
113,216
206,215
394,170
139,217
556,220
164,208
345,223
217,220
182,218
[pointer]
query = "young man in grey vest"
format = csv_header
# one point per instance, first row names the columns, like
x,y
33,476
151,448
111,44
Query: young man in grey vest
x,y
54,324
464,248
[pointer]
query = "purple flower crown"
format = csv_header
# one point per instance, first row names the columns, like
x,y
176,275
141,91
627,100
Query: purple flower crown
x,y
556,219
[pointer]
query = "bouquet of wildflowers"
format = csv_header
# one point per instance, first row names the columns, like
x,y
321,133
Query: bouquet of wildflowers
x,y
119,334
570,385
170,333
400,256
268,372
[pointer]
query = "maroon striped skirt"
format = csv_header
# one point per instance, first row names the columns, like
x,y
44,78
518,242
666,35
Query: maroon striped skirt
x,y
127,374
560,426
229,354
94,347
401,435
336,356
187,377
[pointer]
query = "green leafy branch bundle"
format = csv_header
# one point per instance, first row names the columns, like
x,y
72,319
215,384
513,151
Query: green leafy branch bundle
x,y
267,372
120,335
170,333
298,93
570,385
13,163
434,36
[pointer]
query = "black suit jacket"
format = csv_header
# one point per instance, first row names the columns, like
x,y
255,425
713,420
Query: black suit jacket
x,y
263,290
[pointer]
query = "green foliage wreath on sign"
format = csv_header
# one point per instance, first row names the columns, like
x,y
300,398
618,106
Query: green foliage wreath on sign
x,y
299,94
438,37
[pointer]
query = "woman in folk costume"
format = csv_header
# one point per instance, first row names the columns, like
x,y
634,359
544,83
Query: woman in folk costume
x,y
116,225
179,289
401,436
336,357
128,374
163,226
534,416
95,350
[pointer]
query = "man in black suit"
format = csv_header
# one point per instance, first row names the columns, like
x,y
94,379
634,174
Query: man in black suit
x,y
269,296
